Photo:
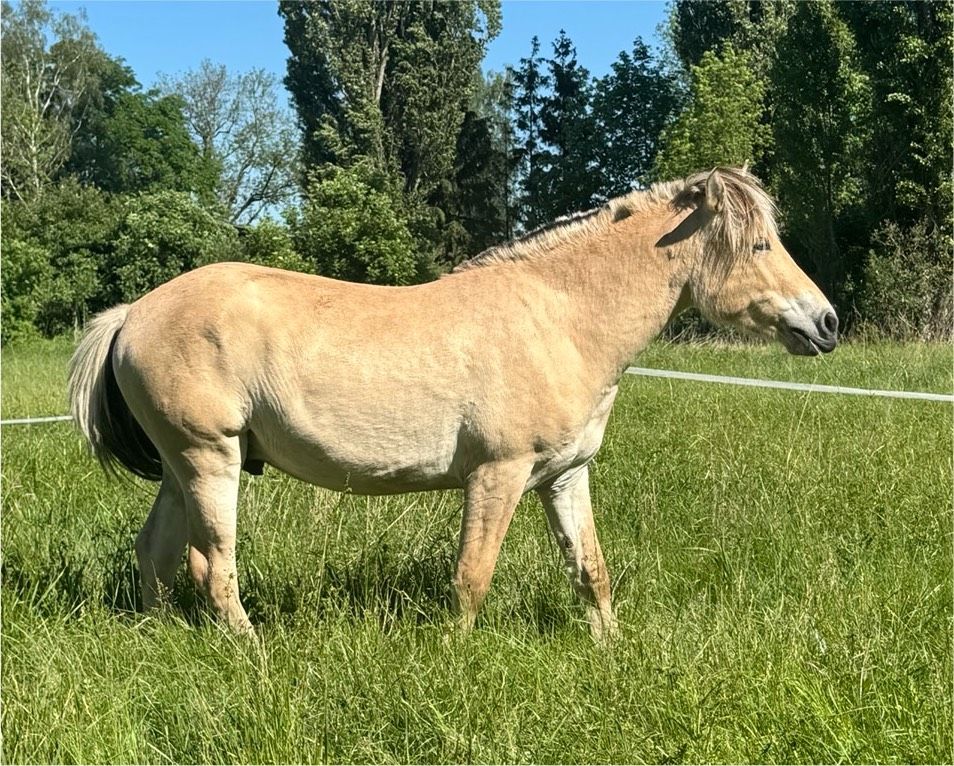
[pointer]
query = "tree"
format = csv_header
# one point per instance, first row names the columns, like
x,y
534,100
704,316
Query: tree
x,y
385,87
24,281
474,203
45,67
529,91
56,246
241,131
721,122
905,52
632,106
493,104
269,243
159,236
109,80
699,26
140,143
820,127
571,176
387,82
350,230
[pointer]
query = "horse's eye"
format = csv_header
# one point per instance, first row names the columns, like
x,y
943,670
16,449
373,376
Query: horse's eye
x,y
761,245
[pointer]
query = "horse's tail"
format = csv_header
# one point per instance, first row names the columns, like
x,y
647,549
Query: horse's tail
x,y
98,407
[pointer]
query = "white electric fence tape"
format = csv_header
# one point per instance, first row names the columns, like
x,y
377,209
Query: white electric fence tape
x,y
813,387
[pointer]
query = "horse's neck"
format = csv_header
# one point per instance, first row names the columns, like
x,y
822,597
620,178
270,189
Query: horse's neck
x,y
622,289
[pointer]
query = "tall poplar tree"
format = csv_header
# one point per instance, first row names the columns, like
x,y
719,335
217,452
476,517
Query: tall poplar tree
x,y
385,83
382,89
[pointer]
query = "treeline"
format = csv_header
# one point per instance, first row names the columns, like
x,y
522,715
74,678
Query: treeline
x,y
402,158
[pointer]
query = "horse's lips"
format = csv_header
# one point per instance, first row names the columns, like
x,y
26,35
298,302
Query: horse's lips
x,y
806,346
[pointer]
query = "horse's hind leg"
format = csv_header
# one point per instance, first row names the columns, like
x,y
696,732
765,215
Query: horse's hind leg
x,y
160,544
570,514
209,476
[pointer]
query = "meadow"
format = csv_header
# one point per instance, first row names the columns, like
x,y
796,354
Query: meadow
x,y
782,568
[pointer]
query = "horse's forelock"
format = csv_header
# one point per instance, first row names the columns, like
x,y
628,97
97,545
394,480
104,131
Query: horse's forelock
x,y
747,214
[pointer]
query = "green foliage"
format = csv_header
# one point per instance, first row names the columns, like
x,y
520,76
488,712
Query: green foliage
x,y
159,236
24,281
907,283
721,123
386,86
142,144
529,84
475,202
821,119
632,105
351,230
567,128
268,243
697,26
74,227
571,178
905,49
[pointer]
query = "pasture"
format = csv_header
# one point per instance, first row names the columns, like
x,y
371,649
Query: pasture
x,y
782,568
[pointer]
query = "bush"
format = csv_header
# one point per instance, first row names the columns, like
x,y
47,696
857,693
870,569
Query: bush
x,y
907,284
26,277
269,244
71,228
161,235
351,230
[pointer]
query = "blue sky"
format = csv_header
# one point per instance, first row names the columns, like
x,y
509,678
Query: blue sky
x,y
156,36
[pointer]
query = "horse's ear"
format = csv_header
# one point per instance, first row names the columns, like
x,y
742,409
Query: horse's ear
x,y
715,191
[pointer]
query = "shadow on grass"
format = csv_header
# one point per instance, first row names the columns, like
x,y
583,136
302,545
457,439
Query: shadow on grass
x,y
377,584
374,583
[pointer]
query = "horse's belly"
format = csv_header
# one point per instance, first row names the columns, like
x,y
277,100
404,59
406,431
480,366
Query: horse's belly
x,y
367,461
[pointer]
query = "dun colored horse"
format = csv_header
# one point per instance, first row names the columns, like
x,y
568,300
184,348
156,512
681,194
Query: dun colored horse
x,y
497,378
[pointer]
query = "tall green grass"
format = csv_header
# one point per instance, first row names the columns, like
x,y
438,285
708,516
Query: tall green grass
x,y
782,573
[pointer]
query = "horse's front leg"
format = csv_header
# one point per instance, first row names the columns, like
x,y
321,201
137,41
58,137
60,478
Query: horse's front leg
x,y
566,501
490,497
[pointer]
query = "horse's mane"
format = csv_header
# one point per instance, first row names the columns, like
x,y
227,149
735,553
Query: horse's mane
x,y
747,215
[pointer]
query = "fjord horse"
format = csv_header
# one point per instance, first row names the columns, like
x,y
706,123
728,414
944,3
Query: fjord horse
x,y
497,378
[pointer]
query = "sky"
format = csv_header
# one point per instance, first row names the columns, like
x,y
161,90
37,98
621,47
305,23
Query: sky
x,y
160,36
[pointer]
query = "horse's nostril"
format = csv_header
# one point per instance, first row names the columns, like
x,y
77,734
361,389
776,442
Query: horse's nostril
x,y
830,322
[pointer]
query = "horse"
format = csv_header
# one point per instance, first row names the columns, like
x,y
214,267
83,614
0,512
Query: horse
x,y
497,378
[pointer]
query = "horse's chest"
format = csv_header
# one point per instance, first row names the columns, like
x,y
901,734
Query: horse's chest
x,y
579,447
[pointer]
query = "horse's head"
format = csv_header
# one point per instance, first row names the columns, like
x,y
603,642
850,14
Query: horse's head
x,y
741,275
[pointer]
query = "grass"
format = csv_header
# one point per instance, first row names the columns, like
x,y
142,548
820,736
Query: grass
x,y
782,570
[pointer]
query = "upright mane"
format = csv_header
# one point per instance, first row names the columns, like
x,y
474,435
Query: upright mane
x,y
747,215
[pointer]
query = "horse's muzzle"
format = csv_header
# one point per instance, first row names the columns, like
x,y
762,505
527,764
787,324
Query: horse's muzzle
x,y
806,339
